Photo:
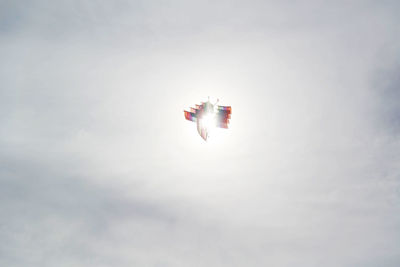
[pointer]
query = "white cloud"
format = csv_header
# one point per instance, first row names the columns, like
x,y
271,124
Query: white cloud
x,y
99,168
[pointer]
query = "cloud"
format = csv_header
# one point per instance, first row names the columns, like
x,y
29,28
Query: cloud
x,y
99,168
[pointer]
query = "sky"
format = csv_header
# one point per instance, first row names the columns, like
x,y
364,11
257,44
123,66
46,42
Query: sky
x,y
98,166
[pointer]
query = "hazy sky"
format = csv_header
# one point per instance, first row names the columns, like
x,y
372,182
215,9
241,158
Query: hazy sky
x,y
99,168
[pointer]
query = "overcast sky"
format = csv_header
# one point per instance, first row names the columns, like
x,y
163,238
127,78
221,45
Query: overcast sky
x,y
99,168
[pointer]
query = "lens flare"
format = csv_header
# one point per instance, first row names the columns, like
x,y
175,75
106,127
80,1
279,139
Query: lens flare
x,y
208,121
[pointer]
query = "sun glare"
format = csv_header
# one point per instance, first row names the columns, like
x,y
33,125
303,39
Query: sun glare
x,y
208,121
